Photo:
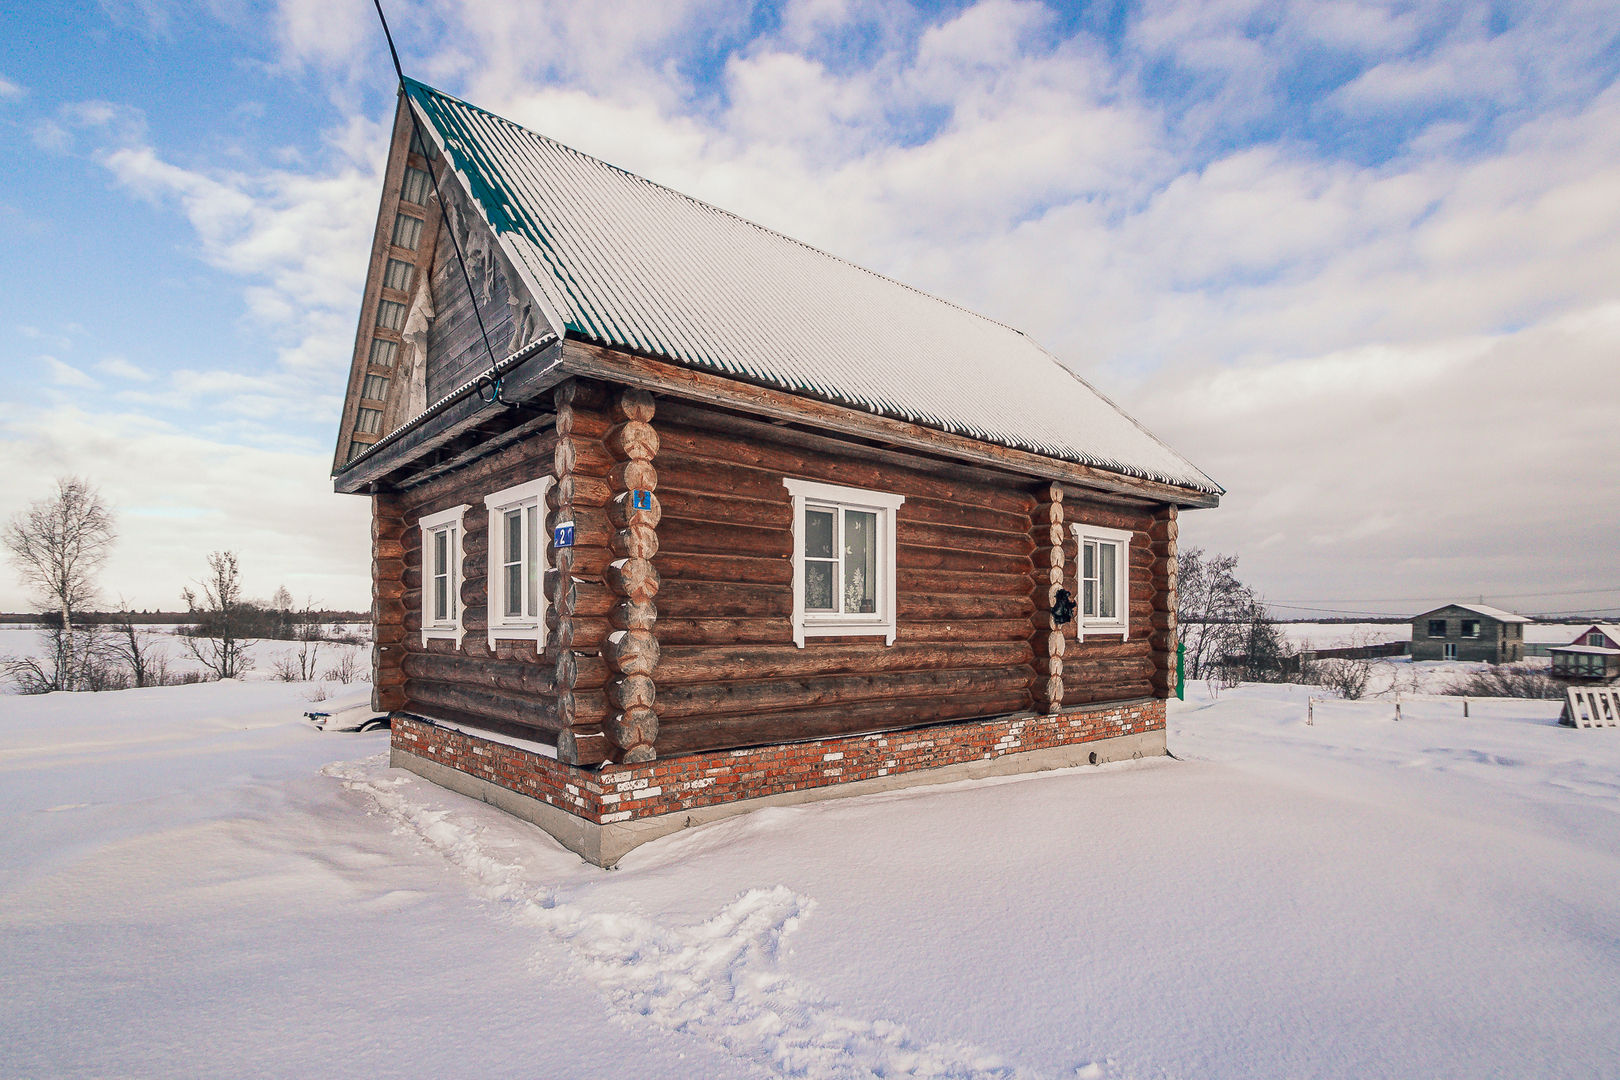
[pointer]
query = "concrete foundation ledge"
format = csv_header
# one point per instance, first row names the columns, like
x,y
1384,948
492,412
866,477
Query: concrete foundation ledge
x,y
605,845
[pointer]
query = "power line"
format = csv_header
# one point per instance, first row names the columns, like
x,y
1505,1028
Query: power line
x,y
1438,599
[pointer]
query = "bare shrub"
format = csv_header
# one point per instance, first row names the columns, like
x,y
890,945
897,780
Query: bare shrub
x,y
347,668
1347,678
316,693
1508,680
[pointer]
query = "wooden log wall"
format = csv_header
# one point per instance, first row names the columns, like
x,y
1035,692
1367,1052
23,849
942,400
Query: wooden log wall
x,y
387,603
1165,632
631,649
511,687
1047,641
581,603
729,673
669,626
1111,667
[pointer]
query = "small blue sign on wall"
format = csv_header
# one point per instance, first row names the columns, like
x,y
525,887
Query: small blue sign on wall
x,y
641,500
563,535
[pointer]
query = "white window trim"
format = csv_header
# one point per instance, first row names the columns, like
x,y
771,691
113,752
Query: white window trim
x,y
1122,582
432,523
517,629
882,622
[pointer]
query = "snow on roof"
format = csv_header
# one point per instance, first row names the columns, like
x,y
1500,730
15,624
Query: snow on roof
x,y
628,263
1587,650
1484,609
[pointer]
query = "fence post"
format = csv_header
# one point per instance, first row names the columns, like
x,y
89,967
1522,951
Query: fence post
x,y
1181,671
1397,709
1465,708
1310,711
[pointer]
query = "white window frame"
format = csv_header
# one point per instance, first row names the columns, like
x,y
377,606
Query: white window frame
x,y
807,494
530,626
451,520
1121,623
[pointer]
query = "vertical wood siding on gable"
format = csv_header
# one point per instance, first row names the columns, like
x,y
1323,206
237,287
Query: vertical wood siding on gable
x,y
456,352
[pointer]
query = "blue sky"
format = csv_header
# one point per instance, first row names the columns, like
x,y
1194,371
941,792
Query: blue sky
x,y
1358,261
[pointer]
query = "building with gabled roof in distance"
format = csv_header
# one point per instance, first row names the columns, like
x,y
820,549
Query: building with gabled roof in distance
x,y
1594,655
674,516
1475,632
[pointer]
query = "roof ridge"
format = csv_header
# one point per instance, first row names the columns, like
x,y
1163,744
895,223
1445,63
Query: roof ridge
x,y
722,210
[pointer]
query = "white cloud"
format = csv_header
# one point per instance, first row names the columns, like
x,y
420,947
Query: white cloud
x,y
120,367
10,90
65,374
180,496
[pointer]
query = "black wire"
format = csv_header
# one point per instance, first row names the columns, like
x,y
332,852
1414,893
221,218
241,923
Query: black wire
x,y
444,214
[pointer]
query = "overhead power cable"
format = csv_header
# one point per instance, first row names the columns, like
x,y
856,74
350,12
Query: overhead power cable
x,y
493,375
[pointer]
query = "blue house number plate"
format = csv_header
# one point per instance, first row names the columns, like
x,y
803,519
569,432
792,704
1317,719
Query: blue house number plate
x,y
563,535
641,500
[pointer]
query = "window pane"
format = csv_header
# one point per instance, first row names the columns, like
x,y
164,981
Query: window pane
x,y
1088,579
397,275
450,569
416,185
532,519
514,563
818,534
1106,592
382,352
441,576
860,561
818,586
407,231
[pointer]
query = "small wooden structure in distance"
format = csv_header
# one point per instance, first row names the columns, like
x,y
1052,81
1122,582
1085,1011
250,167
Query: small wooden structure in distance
x,y
674,516
1594,655
1474,632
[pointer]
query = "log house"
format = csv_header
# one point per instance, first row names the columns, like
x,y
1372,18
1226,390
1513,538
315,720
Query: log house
x,y
674,516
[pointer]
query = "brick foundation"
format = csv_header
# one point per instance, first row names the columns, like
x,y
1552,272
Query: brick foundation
x,y
623,793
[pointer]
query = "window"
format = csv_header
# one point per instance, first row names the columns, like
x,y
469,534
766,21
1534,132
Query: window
x,y
1470,628
407,231
375,388
1437,628
382,352
397,275
1102,580
843,561
441,574
368,421
517,519
1595,639
390,315
416,186
1448,651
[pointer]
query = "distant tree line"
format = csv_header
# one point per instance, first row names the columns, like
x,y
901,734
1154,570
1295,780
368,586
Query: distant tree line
x,y
58,547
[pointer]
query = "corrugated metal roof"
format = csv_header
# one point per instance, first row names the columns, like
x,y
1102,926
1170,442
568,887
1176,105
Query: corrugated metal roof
x,y
628,263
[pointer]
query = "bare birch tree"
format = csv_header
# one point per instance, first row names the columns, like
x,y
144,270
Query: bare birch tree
x,y
59,546
223,618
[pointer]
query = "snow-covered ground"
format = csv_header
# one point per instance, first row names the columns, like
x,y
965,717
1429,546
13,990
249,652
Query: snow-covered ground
x,y
196,883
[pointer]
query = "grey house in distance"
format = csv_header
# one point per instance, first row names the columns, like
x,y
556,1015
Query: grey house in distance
x,y
1474,632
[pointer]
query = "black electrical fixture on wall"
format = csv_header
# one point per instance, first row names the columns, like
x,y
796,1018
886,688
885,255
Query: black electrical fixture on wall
x,y
1062,607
